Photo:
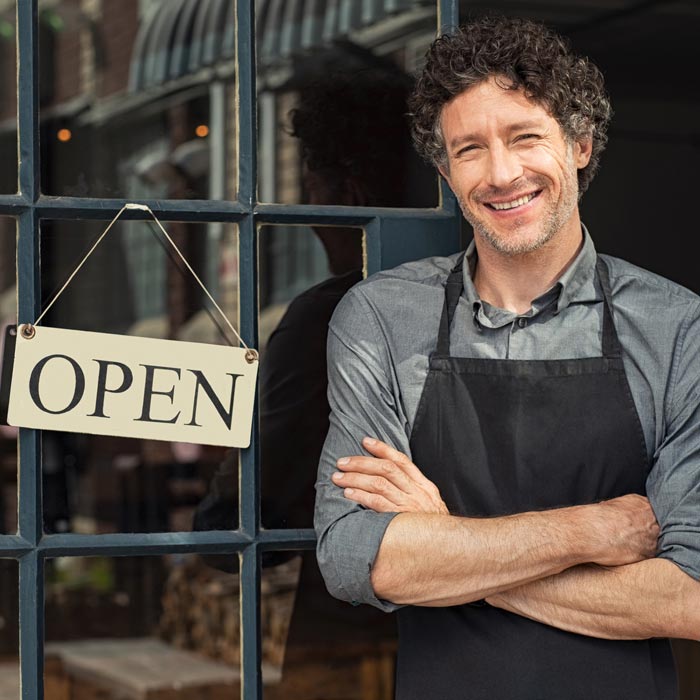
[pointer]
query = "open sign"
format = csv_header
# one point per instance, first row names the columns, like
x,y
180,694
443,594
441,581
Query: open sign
x,y
104,384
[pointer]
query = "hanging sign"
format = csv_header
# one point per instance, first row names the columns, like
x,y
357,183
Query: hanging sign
x,y
105,384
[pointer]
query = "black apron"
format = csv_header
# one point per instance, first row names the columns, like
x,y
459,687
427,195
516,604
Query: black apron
x,y
506,436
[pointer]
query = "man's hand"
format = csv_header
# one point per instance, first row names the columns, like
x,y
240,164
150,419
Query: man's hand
x,y
620,531
388,482
624,530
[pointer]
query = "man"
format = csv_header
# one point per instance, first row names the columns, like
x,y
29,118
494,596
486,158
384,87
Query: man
x,y
514,405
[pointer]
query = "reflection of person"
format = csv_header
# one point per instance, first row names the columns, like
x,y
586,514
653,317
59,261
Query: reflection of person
x,y
348,152
527,394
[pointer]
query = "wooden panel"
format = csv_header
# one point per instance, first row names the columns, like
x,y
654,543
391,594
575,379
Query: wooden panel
x,y
135,669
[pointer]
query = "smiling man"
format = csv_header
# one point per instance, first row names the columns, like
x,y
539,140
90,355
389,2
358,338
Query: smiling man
x,y
528,495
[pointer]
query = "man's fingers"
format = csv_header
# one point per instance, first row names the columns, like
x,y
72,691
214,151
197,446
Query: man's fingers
x,y
373,501
388,479
374,466
383,451
370,483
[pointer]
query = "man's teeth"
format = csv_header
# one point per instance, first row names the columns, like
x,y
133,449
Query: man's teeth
x,y
514,203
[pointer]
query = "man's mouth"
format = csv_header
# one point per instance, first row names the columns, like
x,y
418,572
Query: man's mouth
x,y
519,202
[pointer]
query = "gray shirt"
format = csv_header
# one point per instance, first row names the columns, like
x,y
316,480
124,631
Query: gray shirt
x,y
385,328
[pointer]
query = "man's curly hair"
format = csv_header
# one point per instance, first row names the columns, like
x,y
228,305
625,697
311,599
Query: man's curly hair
x,y
521,54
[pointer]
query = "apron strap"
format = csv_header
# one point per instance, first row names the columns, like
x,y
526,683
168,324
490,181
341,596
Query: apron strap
x,y
453,291
611,343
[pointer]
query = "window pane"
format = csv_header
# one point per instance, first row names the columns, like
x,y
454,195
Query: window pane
x,y
8,97
333,80
8,434
138,99
142,627
333,650
130,285
9,631
304,272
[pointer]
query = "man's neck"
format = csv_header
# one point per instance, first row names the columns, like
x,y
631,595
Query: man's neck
x,y
513,282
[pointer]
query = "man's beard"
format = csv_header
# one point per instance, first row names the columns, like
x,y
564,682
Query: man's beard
x,y
553,219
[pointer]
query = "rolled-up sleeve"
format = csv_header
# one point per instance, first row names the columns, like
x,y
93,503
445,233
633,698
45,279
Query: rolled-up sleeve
x,y
361,394
673,486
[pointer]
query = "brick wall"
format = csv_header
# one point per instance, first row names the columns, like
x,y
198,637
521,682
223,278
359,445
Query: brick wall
x,y
117,31
66,53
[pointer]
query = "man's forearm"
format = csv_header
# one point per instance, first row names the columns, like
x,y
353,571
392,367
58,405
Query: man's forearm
x,y
652,598
428,557
440,560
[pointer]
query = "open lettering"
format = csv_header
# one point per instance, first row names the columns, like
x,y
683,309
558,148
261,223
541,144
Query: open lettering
x,y
145,388
154,384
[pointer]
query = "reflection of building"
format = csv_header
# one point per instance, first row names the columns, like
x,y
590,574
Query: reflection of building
x,y
137,102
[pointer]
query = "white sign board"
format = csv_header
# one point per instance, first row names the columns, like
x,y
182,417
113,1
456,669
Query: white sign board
x,y
104,384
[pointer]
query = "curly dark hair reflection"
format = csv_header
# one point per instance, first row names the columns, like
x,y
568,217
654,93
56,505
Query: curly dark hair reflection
x,y
523,55
352,123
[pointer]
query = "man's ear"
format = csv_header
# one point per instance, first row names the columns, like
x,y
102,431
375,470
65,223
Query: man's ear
x,y
582,151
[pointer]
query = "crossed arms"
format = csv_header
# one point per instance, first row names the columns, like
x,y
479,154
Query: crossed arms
x,y
589,569
586,569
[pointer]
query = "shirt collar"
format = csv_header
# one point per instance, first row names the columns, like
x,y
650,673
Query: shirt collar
x,y
578,283
576,286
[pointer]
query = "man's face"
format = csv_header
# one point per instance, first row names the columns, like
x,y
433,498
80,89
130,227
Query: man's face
x,y
511,167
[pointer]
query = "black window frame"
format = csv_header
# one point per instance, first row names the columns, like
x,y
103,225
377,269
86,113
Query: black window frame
x,y
385,229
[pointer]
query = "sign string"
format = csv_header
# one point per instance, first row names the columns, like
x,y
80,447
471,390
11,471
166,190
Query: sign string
x,y
28,329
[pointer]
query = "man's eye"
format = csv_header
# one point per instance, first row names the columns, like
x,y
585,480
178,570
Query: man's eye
x,y
466,149
527,136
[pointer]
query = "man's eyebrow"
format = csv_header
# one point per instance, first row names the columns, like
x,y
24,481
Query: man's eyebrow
x,y
518,126
463,138
531,124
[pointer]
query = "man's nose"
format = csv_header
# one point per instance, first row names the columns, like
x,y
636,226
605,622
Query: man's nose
x,y
504,166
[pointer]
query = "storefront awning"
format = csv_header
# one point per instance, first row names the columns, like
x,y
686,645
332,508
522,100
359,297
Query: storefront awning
x,y
180,37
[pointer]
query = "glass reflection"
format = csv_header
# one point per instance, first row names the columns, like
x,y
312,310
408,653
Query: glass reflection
x,y
141,627
8,434
8,97
137,99
333,85
133,285
304,274
332,649
9,631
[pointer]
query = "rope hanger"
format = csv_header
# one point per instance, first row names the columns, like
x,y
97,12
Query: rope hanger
x,y
28,330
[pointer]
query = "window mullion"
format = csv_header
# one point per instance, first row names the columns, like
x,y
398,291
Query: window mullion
x,y
249,491
251,647
31,617
28,98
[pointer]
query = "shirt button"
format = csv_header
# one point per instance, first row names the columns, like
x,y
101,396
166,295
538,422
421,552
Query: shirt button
x,y
522,322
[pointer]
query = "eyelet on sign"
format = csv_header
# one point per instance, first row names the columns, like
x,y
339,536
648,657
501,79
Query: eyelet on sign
x,y
251,356
27,330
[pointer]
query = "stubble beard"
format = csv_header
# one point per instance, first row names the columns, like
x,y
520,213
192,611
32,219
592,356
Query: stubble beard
x,y
553,219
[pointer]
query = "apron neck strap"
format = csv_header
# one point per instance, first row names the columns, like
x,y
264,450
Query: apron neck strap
x,y
455,285
453,291
611,343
